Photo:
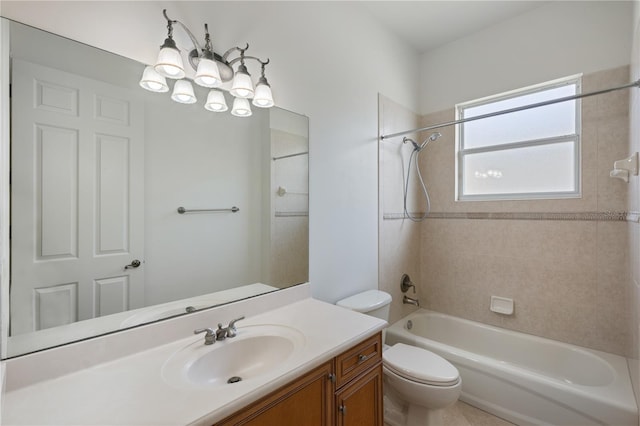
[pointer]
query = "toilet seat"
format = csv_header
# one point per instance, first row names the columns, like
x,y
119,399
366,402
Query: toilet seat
x,y
420,365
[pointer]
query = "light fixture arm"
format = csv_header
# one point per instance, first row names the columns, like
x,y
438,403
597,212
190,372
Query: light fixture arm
x,y
243,57
196,45
233,49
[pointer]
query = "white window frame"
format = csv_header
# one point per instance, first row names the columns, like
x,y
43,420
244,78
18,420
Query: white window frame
x,y
461,152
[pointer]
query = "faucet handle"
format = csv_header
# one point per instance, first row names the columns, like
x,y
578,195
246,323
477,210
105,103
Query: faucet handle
x,y
210,337
406,284
231,330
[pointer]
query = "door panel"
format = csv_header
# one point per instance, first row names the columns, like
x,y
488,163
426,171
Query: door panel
x,y
56,192
55,305
112,195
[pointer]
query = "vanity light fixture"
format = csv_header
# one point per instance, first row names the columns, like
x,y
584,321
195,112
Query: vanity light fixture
x,y
212,71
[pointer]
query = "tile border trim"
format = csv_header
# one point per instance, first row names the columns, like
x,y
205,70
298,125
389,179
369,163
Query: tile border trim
x,y
609,216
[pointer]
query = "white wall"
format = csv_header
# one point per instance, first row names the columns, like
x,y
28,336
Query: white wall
x,y
329,62
198,160
555,40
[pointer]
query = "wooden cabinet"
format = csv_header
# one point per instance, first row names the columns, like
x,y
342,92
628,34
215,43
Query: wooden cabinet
x,y
359,384
345,391
360,402
307,400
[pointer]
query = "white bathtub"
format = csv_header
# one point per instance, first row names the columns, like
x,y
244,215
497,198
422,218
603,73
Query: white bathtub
x,y
525,379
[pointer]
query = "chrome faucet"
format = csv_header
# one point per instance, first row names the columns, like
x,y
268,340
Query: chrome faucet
x,y
210,337
221,333
411,301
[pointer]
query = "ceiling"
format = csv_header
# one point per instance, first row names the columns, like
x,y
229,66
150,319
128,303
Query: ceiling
x,y
428,24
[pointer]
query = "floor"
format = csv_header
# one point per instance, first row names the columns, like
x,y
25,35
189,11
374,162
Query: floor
x,y
461,414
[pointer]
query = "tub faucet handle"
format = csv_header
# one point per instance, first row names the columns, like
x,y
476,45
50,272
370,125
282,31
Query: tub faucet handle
x,y
406,284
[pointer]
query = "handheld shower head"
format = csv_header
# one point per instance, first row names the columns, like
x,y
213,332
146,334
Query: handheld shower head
x,y
432,137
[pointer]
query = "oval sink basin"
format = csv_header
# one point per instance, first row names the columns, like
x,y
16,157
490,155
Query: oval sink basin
x,y
254,352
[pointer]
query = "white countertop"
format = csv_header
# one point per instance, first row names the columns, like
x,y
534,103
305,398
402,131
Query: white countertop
x,y
131,390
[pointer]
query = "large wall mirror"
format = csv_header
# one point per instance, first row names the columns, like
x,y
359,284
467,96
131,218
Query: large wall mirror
x,y
99,169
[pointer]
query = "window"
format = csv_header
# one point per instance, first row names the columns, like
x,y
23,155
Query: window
x,y
529,154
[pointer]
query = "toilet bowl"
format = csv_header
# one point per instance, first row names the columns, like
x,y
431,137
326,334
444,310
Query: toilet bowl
x,y
418,384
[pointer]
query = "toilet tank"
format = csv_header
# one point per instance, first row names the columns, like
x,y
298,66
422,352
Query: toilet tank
x,y
372,302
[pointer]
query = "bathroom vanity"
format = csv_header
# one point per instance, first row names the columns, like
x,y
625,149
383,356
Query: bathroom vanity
x,y
297,357
346,390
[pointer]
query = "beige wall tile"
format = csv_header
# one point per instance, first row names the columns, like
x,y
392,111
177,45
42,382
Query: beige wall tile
x,y
399,240
613,136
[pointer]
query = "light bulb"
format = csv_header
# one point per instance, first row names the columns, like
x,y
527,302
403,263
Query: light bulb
x,y
263,98
241,108
152,81
183,92
169,63
208,74
216,102
242,86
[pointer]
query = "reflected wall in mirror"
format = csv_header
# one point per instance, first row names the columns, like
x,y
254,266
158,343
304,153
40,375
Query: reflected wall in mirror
x,y
99,170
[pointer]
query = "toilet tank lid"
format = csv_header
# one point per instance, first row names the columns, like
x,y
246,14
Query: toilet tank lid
x,y
366,301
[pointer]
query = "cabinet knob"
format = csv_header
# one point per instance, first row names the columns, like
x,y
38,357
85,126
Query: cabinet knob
x,y
342,409
362,358
332,377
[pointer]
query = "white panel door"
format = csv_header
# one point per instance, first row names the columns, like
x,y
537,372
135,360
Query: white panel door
x,y
77,169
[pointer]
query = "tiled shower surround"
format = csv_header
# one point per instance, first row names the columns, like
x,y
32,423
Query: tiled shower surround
x,y
564,262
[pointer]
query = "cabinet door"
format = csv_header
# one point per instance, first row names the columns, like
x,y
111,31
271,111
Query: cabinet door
x,y
306,401
360,402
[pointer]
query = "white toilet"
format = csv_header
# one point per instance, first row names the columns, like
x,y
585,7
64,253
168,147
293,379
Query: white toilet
x,y
418,384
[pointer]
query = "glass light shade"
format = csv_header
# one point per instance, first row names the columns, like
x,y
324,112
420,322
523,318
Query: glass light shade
x,y
183,92
242,86
152,81
241,108
216,102
263,97
208,74
169,63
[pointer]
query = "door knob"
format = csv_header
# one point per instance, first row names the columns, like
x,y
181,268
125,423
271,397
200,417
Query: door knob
x,y
134,264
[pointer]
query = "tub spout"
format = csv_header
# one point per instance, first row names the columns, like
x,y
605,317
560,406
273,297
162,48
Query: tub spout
x,y
411,301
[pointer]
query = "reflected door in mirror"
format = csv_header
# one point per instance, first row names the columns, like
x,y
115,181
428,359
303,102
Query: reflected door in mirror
x,y
77,199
